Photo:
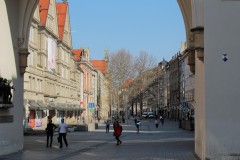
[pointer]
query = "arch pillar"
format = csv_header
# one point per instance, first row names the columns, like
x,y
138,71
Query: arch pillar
x,y
16,17
198,42
193,15
23,54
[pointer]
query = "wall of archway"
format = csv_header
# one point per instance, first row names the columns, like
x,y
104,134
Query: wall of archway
x,y
15,19
222,89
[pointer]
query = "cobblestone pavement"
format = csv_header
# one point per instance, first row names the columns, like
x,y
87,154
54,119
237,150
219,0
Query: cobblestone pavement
x,y
166,142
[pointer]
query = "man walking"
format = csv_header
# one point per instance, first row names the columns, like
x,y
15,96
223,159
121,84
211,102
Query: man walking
x,y
63,133
49,130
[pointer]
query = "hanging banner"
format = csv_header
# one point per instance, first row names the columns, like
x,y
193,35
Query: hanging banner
x,y
51,55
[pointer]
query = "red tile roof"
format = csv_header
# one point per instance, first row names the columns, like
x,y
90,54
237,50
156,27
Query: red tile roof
x,y
100,65
127,83
77,54
61,13
43,11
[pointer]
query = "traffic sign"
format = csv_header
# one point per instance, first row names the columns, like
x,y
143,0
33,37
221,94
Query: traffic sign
x,y
91,105
91,110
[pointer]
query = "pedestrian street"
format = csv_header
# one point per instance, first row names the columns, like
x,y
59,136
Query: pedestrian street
x,y
167,142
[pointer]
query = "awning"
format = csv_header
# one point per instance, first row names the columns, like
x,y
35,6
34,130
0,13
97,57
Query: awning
x,y
33,105
51,106
60,106
42,106
73,107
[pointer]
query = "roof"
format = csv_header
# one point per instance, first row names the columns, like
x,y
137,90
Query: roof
x,y
43,11
127,83
77,54
100,65
61,13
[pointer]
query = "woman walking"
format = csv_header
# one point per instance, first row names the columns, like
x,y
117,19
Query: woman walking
x,y
117,132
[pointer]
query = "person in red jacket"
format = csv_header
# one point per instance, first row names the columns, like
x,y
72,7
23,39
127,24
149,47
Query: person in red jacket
x,y
117,132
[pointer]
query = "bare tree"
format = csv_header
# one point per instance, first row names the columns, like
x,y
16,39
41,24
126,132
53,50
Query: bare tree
x,y
120,70
143,64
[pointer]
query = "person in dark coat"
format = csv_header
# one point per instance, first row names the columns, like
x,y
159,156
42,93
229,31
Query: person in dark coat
x,y
117,132
49,130
107,126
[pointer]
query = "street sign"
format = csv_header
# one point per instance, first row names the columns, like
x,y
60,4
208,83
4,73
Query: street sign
x,y
91,105
91,110
184,104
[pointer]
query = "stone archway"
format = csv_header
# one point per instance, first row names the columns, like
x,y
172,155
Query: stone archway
x,y
212,29
18,16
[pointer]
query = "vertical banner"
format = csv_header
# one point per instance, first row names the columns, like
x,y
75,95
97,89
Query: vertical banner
x,y
51,54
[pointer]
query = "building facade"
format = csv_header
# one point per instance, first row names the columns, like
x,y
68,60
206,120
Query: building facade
x,y
187,103
174,87
51,82
103,91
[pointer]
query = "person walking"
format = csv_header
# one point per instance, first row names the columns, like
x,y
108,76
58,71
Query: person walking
x,y
138,125
107,126
162,119
156,122
63,133
49,130
117,132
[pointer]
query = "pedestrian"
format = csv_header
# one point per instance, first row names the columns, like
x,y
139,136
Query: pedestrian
x,y
107,126
156,122
123,119
162,119
117,132
49,130
138,125
63,133
135,121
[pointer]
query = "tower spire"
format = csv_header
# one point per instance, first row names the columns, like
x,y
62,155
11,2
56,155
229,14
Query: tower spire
x,y
106,55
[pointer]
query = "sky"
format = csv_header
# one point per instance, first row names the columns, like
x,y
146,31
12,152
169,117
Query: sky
x,y
154,26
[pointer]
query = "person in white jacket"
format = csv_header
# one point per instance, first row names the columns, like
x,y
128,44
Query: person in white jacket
x,y
63,133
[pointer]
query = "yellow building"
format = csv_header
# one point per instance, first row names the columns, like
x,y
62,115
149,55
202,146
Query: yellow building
x,y
52,80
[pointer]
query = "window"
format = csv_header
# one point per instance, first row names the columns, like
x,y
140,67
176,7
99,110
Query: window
x,y
62,71
31,38
37,86
66,73
39,60
33,84
40,85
